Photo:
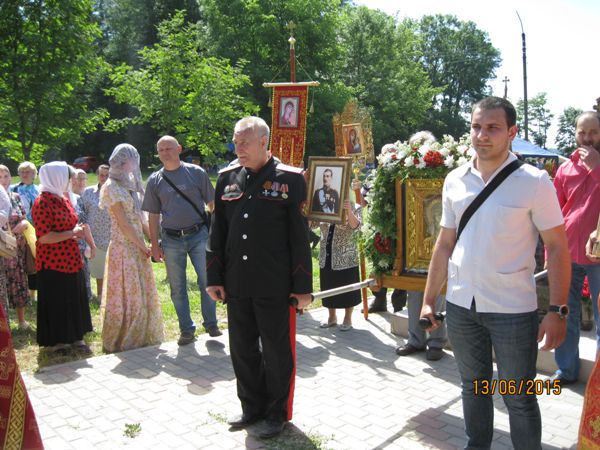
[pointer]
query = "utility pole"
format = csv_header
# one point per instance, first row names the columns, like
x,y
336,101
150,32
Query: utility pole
x,y
505,81
526,118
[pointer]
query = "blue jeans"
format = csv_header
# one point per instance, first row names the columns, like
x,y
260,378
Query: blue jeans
x,y
176,251
567,355
514,340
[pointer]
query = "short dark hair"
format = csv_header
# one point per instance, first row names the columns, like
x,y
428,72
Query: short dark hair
x,y
328,170
498,103
102,167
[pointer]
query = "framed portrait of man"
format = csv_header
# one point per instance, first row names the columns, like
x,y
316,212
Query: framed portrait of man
x,y
354,140
328,187
288,112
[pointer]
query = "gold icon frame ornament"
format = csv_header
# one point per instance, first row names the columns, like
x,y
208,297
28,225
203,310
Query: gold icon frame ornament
x,y
317,164
415,199
353,114
360,139
423,200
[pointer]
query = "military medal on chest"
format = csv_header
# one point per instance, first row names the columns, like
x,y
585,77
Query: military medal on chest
x,y
275,189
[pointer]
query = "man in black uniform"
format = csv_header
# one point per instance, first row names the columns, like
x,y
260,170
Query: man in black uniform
x,y
258,256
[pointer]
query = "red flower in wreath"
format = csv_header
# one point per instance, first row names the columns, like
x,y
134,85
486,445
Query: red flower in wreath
x,y
433,158
383,245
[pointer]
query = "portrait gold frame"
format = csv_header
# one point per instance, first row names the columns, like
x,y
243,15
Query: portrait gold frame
x,y
315,162
354,114
414,245
357,127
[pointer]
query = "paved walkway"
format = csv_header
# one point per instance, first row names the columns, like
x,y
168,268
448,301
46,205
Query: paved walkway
x,y
352,392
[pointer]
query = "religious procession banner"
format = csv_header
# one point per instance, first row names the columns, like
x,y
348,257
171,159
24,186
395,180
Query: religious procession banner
x,y
18,427
288,125
589,429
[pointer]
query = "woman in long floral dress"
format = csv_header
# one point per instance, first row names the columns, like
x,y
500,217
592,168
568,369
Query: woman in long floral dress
x,y
131,312
17,287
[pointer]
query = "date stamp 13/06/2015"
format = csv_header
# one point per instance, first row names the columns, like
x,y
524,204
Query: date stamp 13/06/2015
x,y
517,387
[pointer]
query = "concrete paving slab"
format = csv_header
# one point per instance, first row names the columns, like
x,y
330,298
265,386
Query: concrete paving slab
x,y
352,392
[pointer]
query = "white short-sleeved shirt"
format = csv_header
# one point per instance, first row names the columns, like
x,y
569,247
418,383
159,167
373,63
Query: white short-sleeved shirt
x,y
493,261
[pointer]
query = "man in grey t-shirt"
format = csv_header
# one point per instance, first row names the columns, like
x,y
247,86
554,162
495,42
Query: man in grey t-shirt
x,y
182,230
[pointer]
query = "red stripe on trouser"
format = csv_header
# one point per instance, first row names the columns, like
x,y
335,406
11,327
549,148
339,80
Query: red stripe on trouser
x,y
290,402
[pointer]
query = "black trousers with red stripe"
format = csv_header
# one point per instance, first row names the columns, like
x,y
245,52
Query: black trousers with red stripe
x,y
265,372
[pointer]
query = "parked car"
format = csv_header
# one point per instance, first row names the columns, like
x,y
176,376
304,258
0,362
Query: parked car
x,y
87,163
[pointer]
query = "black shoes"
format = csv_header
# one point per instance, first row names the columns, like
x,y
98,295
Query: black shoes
x,y
434,354
377,306
242,421
214,331
187,337
408,349
560,379
271,428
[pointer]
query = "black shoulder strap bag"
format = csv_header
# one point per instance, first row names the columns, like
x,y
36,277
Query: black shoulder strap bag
x,y
485,193
203,214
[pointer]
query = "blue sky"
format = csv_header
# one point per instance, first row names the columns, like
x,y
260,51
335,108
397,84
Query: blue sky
x,y
563,57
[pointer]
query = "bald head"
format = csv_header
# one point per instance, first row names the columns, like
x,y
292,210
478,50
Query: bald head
x,y
168,152
167,139
587,130
588,115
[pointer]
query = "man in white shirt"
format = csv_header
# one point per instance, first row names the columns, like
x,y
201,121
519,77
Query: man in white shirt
x,y
491,295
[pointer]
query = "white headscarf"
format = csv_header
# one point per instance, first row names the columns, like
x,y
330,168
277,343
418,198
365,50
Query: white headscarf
x,y
54,178
125,171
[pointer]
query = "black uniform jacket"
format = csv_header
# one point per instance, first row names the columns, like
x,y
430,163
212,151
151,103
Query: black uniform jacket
x,y
258,244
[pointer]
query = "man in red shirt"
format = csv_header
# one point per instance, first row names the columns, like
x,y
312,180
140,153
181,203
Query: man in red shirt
x,y
577,185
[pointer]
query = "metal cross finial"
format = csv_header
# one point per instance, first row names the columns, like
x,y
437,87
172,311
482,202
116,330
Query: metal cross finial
x,y
291,26
505,81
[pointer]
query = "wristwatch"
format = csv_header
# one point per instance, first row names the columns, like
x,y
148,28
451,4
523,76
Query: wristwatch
x,y
561,310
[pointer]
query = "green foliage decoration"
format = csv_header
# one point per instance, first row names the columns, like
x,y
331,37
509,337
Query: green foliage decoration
x,y
401,160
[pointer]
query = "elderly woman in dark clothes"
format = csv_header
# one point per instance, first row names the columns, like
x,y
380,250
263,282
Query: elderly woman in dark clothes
x,y
63,312
338,261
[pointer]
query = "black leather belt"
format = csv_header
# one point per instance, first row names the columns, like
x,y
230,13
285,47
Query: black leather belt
x,y
183,232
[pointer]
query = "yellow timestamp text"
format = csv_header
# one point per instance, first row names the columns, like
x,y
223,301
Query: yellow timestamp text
x,y
517,387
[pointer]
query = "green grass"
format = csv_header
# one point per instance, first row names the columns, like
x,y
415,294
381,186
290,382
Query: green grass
x,y
31,358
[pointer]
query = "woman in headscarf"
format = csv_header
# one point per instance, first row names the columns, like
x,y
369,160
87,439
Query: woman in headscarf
x,y
17,288
63,313
131,313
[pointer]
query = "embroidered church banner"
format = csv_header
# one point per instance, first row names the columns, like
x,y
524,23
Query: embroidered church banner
x,y
288,129
18,427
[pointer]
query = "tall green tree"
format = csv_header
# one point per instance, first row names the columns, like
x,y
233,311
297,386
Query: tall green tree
x,y
380,60
130,25
539,118
565,136
256,32
179,91
48,69
460,59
